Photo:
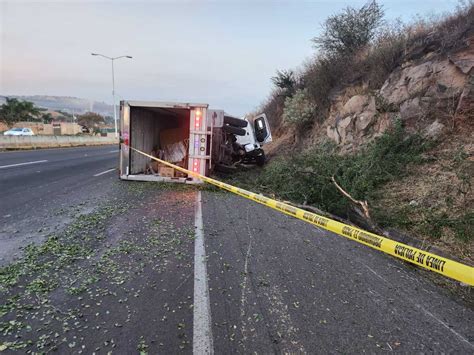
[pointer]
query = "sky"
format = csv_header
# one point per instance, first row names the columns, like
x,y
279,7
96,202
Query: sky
x,y
218,52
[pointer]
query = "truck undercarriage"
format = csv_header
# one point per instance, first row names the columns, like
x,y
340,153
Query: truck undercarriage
x,y
238,143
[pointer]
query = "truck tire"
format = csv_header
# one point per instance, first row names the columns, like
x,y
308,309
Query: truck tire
x,y
260,159
236,122
234,130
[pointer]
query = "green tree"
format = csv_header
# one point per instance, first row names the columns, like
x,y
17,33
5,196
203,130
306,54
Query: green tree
x,y
286,81
350,30
47,117
15,110
91,120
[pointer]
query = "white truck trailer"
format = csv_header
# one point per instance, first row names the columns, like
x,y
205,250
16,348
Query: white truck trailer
x,y
189,135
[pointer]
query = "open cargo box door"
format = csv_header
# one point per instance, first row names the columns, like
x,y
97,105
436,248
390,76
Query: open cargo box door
x,y
152,126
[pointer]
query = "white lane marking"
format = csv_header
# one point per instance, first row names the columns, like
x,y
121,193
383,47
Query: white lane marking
x,y
114,151
445,325
245,291
21,164
105,172
428,313
202,331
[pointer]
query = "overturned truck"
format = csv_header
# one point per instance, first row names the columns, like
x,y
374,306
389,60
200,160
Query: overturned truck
x,y
189,135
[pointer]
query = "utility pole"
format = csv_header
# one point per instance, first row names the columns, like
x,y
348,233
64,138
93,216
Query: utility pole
x,y
113,84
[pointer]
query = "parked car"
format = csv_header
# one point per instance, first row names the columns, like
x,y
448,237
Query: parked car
x,y
19,132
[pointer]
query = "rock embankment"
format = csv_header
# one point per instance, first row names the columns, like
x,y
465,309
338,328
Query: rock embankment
x,y
427,93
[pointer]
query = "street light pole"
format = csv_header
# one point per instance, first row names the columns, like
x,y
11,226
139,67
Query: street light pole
x,y
113,84
113,99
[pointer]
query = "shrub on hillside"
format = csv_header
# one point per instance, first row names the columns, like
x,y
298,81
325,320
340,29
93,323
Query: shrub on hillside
x,y
384,56
446,33
273,108
286,81
322,77
299,109
350,30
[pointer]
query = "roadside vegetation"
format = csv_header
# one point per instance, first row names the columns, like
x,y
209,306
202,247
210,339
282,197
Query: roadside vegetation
x,y
93,121
15,110
401,181
309,179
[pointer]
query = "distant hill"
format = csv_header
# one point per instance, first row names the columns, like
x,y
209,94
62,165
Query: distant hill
x,y
65,103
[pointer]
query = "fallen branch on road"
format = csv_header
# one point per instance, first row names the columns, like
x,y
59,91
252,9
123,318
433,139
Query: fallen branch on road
x,y
362,211
316,210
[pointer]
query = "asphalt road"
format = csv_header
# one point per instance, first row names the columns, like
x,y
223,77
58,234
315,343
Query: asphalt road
x,y
36,185
289,287
157,269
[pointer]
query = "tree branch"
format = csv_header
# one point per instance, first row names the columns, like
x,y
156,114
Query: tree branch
x,y
363,204
318,211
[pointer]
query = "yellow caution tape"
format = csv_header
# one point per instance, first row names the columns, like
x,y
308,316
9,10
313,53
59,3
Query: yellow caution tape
x,y
432,262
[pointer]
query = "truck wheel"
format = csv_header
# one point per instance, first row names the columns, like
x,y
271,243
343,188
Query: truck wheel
x,y
236,122
234,130
260,159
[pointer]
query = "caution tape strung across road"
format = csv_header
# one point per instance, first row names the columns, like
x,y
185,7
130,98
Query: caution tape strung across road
x,y
432,262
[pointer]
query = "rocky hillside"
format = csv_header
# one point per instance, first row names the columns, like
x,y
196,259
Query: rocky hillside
x,y
392,122
428,91
429,86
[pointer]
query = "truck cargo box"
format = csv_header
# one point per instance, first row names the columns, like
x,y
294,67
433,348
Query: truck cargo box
x,y
180,133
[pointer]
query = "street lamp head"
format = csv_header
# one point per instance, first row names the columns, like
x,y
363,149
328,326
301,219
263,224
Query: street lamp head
x,y
94,54
129,56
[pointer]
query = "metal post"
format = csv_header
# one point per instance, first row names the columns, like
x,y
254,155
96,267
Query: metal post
x,y
113,99
113,84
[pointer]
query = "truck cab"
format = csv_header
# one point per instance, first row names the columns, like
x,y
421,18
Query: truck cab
x,y
257,134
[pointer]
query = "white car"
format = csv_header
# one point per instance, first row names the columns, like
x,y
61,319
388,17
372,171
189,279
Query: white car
x,y
19,132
